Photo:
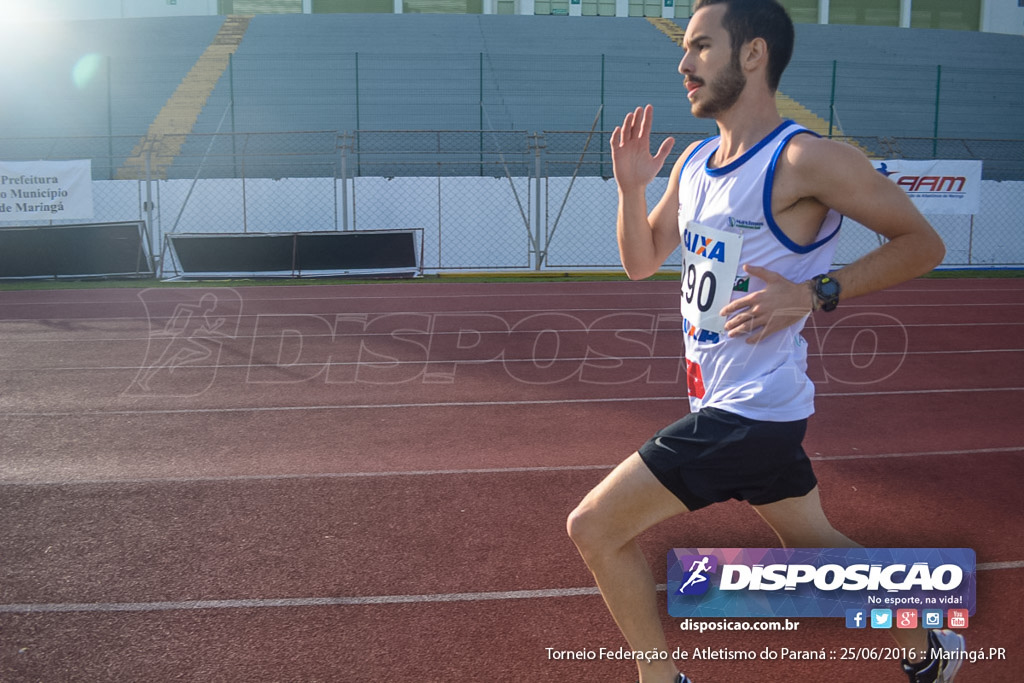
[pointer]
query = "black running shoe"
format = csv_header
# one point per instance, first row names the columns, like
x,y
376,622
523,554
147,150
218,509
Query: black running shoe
x,y
941,669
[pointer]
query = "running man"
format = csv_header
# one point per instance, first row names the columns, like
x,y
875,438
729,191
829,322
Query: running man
x,y
767,186
696,570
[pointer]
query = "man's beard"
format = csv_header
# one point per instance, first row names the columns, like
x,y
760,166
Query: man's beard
x,y
722,92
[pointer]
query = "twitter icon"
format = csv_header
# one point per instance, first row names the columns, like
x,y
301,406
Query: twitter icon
x,y
881,618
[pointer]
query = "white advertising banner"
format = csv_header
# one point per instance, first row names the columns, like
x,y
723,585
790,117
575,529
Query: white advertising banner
x,y
938,185
45,190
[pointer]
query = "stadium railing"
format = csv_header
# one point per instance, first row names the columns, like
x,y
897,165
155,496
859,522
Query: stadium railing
x,y
485,200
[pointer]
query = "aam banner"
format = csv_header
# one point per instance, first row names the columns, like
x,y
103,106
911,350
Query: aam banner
x,y
45,190
937,186
818,582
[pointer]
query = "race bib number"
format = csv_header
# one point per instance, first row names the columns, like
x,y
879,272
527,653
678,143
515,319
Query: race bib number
x,y
711,261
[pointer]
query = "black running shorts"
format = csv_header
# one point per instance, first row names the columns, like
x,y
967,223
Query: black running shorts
x,y
713,455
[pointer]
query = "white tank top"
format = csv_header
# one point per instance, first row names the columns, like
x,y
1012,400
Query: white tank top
x,y
726,221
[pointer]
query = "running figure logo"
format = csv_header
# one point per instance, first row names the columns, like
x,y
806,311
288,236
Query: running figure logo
x,y
696,581
185,335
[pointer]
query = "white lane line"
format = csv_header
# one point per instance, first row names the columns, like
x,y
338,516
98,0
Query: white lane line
x,y
884,456
630,290
354,406
493,311
263,603
228,478
508,290
992,566
463,404
597,361
296,602
15,338
306,476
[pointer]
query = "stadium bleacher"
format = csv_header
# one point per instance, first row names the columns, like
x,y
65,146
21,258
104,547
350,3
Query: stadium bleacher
x,y
343,72
147,58
894,72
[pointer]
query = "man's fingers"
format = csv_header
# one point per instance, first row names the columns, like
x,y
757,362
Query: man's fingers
x,y
637,124
647,122
740,323
738,305
762,273
665,150
627,125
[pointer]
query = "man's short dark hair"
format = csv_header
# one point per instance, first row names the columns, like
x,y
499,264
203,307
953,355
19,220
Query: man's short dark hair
x,y
749,19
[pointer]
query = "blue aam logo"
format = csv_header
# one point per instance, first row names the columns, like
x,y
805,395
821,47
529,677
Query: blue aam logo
x,y
695,580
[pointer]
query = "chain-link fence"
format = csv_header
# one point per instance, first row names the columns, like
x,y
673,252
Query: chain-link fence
x,y
534,90
485,200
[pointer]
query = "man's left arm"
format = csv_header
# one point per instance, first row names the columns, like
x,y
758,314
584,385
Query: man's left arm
x,y
842,178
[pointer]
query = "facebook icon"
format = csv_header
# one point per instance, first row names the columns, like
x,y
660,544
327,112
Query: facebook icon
x,y
856,618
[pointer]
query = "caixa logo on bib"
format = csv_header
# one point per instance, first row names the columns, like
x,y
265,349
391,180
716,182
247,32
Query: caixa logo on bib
x,y
816,582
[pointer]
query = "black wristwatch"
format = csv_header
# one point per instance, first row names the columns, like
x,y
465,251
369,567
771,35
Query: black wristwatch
x,y
826,291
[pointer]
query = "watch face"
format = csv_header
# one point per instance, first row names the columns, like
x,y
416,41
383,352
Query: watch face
x,y
827,291
828,288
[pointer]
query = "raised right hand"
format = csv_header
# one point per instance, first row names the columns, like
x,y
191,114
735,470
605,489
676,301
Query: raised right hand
x,y
632,163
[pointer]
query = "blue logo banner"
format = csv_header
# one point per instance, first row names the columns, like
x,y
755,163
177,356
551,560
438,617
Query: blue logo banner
x,y
818,582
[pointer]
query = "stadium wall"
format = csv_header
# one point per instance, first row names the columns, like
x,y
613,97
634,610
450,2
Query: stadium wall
x,y
481,223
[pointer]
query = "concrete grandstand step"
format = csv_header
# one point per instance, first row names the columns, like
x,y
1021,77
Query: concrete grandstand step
x,y
166,135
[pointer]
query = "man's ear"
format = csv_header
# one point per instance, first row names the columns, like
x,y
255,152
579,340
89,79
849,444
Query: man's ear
x,y
754,54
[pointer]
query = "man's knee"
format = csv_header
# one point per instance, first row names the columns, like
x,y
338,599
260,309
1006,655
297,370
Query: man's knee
x,y
584,528
576,524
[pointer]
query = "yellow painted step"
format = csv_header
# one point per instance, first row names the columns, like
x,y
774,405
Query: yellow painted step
x,y
175,121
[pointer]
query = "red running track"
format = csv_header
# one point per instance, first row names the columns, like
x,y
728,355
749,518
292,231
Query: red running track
x,y
369,483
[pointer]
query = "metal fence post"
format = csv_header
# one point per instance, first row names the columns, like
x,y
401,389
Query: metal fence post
x,y
602,113
537,250
481,90
231,95
359,170
832,101
149,198
935,130
344,184
110,120
245,211
440,219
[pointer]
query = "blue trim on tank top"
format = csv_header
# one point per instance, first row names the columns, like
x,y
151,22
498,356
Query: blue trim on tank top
x,y
732,166
692,154
769,182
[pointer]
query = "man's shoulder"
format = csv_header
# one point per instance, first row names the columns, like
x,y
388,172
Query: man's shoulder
x,y
813,152
690,149
816,163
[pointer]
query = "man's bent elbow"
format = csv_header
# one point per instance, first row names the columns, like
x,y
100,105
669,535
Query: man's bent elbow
x,y
923,251
634,273
635,276
938,251
932,253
